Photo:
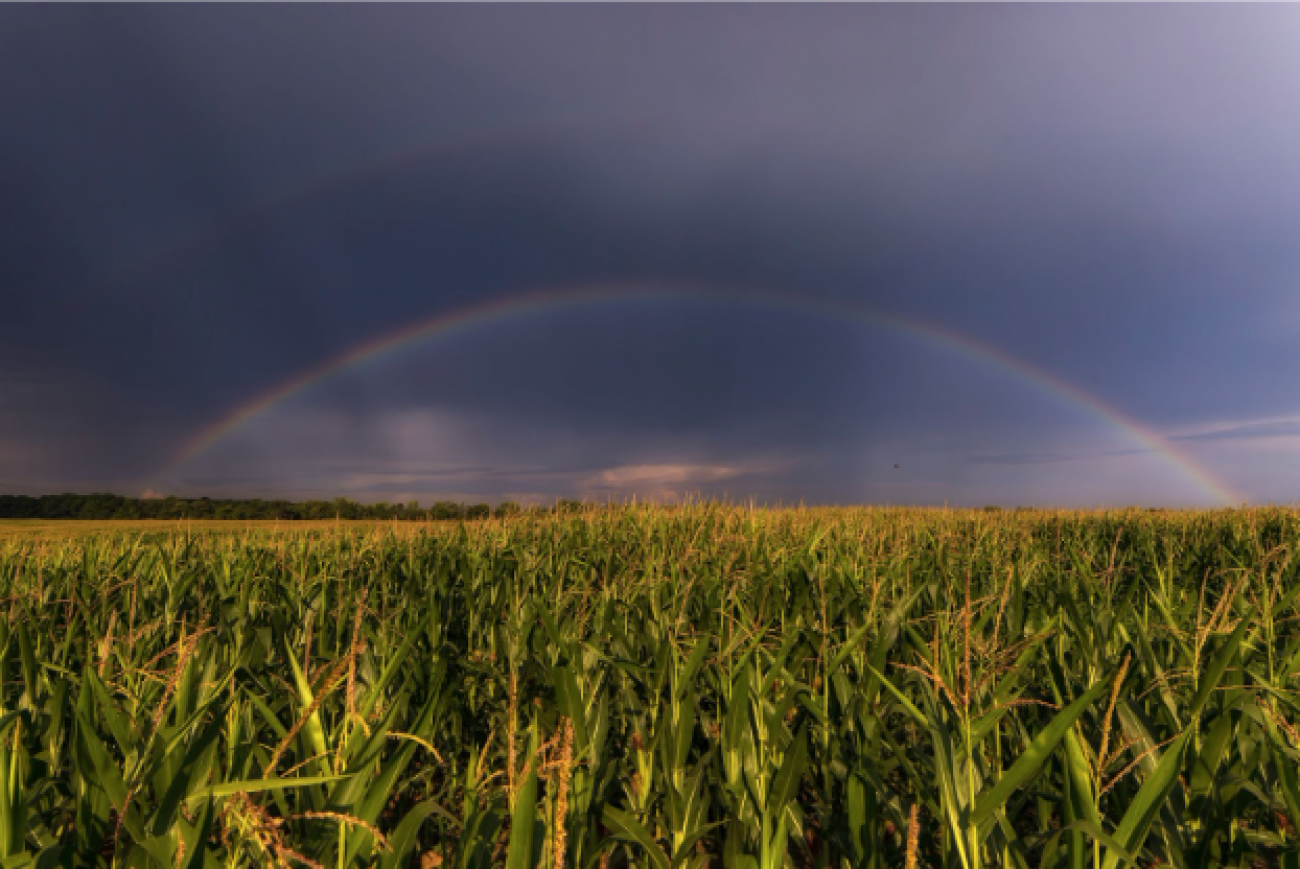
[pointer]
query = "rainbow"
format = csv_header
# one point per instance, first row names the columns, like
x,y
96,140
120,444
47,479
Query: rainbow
x,y
549,301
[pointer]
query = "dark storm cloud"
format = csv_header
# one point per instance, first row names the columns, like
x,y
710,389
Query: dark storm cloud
x,y
1106,191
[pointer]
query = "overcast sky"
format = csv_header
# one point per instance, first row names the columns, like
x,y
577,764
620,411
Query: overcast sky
x,y
1098,205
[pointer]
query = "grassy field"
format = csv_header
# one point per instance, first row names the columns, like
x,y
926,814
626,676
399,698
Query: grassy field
x,y
655,688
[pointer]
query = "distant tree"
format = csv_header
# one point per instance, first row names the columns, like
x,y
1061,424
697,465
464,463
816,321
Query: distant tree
x,y
507,509
104,505
447,510
345,509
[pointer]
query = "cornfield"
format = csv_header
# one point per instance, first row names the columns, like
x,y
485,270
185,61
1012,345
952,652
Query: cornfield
x,y
659,687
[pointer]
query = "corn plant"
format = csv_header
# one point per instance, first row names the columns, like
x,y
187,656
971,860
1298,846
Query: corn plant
x,y
666,687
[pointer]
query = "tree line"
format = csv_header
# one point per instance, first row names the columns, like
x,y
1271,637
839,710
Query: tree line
x,y
103,505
